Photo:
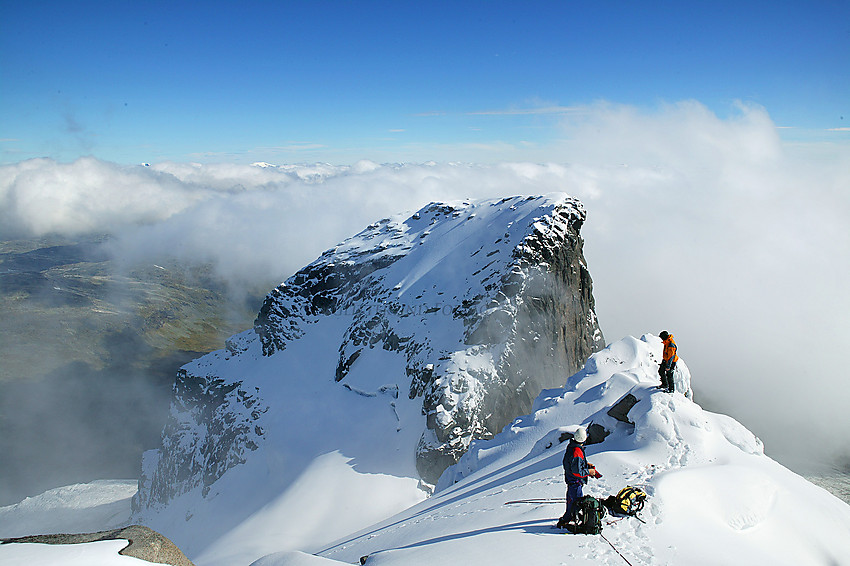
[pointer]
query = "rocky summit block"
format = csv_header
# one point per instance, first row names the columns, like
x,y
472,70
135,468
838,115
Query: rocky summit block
x,y
465,310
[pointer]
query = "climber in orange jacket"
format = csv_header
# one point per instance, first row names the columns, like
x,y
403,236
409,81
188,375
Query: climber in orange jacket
x,y
668,361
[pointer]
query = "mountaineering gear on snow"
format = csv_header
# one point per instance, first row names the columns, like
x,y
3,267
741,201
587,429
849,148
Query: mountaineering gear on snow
x,y
536,500
588,516
611,544
580,435
629,501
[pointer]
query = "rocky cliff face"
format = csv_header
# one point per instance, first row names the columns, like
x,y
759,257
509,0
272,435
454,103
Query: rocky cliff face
x,y
464,310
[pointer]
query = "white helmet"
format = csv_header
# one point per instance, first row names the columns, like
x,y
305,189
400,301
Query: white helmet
x,y
580,435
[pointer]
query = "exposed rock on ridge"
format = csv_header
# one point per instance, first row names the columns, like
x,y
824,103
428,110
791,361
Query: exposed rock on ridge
x,y
211,427
143,543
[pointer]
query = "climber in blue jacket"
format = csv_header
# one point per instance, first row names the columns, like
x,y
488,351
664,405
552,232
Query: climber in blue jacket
x,y
576,472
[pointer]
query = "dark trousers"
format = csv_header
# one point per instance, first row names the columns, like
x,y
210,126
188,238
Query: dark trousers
x,y
666,373
574,493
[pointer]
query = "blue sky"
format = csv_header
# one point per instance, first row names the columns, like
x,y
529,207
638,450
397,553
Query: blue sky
x,y
396,81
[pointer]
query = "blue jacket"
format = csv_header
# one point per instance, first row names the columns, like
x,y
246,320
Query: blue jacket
x,y
575,463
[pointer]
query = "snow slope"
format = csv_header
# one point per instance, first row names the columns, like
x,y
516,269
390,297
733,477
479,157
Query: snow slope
x,y
316,455
714,497
103,553
95,506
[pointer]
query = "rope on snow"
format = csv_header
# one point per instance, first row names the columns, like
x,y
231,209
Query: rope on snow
x,y
615,549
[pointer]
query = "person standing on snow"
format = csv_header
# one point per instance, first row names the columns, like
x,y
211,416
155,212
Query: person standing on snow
x,y
668,361
576,472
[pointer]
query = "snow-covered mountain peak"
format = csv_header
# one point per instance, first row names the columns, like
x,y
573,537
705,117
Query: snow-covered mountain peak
x,y
421,334
447,253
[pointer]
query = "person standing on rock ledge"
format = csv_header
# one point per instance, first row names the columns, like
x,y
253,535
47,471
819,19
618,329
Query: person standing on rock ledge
x,y
668,361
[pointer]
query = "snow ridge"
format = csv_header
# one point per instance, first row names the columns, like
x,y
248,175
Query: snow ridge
x,y
714,497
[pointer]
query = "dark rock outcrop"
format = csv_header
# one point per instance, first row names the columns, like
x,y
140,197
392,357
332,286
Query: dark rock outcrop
x,y
621,408
219,421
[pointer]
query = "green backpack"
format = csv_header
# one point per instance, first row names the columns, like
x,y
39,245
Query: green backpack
x,y
588,515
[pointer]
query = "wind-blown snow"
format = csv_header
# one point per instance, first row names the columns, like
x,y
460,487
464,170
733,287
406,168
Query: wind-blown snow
x,y
714,497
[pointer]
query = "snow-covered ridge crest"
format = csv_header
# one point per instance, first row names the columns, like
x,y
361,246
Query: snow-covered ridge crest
x,y
714,496
614,397
436,242
439,328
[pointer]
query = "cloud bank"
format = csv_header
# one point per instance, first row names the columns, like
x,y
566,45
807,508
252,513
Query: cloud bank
x,y
710,227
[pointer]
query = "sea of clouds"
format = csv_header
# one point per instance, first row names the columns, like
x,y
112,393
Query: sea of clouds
x,y
710,227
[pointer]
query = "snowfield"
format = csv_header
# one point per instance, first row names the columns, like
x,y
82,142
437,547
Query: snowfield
x,y
714,497
103,553
94,506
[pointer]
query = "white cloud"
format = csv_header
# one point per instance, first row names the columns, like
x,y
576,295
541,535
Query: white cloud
x,y
709,227
716,230
41,196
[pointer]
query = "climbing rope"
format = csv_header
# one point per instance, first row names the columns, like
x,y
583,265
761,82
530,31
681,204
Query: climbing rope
x,y
615,549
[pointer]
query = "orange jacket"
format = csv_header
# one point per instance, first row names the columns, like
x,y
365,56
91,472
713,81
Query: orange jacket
x,y
670,350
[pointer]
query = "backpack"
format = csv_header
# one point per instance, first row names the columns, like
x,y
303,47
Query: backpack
x,y
588,516
629,501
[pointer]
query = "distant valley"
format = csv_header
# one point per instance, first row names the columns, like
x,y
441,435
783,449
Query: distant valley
x,y
89,351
